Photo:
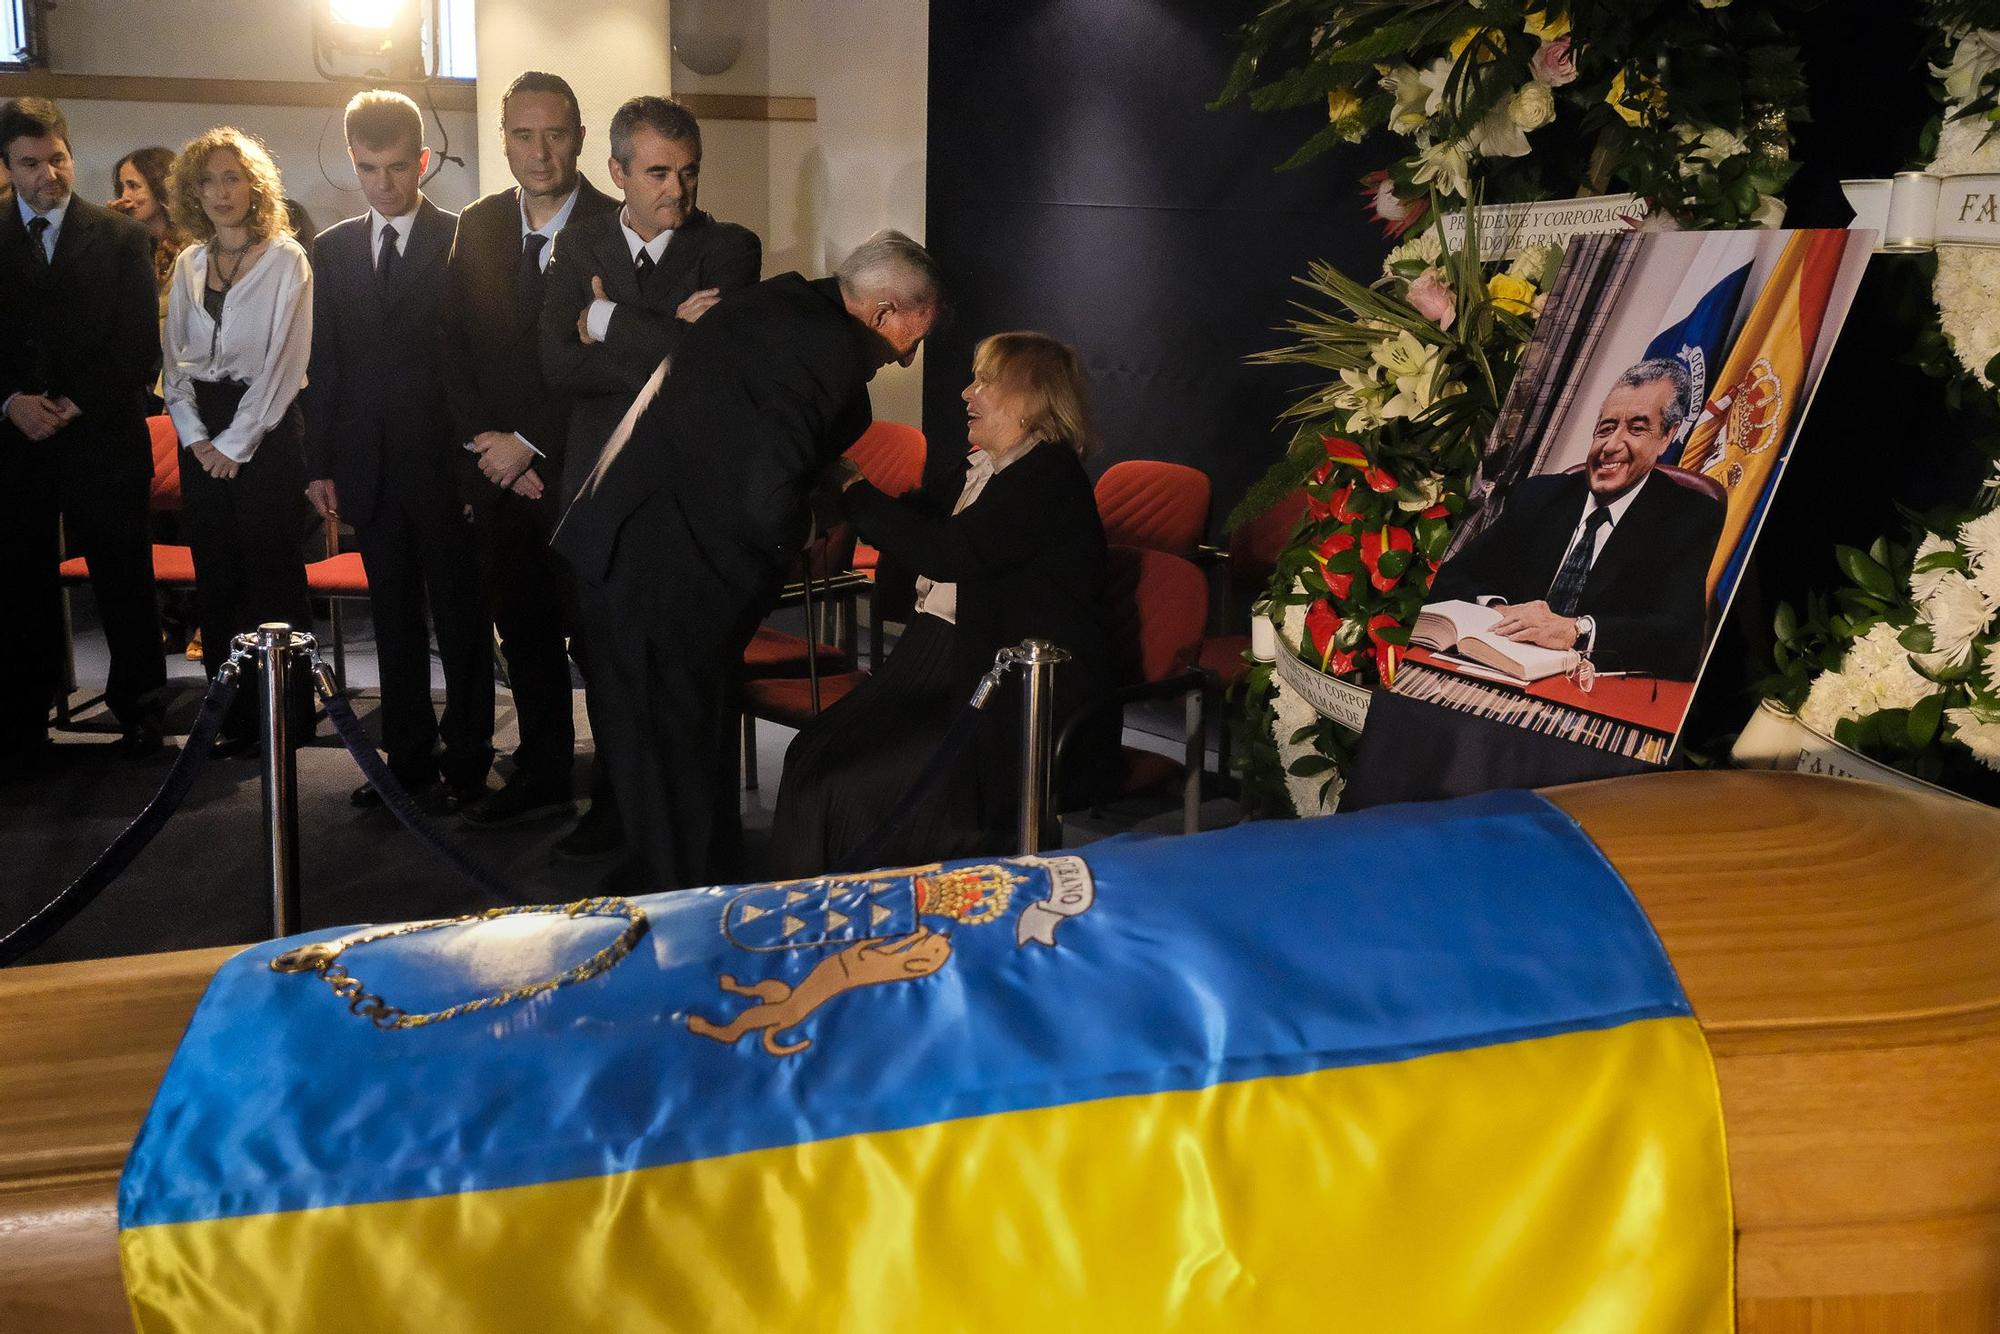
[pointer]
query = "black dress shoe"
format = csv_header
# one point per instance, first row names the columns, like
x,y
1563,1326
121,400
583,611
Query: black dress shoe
x,y
516,801
235,747
596,835
140,742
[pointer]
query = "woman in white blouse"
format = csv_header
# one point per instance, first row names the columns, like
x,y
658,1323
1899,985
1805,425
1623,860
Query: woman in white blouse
x,y
238,335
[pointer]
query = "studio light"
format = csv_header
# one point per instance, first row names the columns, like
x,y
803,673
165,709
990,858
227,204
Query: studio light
x,y
371,38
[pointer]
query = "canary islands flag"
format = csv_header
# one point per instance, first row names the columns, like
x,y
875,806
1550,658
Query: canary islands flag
x,y
1424,1068
1696,326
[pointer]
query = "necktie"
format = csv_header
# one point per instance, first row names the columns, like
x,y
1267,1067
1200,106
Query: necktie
x,y
644,266
1567,590
528,277
385,259
38,228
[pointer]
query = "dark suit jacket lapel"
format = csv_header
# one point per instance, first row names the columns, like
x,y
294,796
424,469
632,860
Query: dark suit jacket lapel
x,y
682,250
73,241
430,238
1633,537
615,263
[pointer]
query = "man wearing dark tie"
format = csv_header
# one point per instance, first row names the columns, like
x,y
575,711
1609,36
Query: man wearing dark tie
x,y
623,289
79,349
682,534
382,453
514,428
1610,560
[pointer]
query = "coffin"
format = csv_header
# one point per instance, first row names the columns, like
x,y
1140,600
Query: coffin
x,y
1840,944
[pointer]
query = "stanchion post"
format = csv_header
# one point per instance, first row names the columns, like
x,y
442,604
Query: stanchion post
x,y
273,644
1037,659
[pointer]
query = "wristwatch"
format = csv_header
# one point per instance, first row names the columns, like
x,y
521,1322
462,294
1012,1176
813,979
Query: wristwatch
x,y
1586,631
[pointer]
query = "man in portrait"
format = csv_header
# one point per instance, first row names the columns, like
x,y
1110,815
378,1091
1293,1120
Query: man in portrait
x,y
1610,559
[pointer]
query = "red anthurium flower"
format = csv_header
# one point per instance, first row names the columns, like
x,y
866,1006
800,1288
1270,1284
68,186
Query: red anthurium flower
x,y
1338,584
1338,507
1346,451
1343,664
1321,622
1374,543
1390,653
1435,512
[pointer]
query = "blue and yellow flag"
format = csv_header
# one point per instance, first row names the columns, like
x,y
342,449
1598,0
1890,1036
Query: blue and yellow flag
x,y
1424,1068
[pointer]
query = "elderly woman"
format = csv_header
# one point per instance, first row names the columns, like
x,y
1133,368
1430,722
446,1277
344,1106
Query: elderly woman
x,y
239,332
1009,549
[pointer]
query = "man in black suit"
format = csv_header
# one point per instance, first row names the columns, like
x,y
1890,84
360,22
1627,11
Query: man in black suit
x,y
382,453
682,533
622,290
514,427
79,349
1613,560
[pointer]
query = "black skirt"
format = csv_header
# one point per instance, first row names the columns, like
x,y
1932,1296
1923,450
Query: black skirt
x,y
848,770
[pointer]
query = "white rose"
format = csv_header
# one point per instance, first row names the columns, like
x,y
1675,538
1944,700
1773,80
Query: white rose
x,y
1533,105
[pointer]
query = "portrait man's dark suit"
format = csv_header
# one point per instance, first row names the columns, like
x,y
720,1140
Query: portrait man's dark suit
x,y
603,378
83,326
378,423
491,317
1648,588
681,537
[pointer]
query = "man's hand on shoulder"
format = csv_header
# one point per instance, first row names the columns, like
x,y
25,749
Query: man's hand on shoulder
x,y
1535,623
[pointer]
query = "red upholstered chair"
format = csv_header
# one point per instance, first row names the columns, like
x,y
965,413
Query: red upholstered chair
x,y
775,656
891,456
1245,566
1156,505
173,564
337,578
1155,612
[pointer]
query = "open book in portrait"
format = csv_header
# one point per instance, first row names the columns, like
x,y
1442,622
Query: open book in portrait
x,y
1617,499
1465,630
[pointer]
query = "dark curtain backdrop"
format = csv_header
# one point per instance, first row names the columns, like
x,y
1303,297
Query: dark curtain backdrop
x,y
1078,185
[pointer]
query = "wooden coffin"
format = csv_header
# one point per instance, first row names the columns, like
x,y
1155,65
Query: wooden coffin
x,y
1841,944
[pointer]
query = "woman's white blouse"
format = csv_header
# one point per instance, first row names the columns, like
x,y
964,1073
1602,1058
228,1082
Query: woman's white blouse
x,y
265,339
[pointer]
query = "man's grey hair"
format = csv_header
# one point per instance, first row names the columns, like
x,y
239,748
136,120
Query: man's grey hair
x,y
891,265
1651,371
662,115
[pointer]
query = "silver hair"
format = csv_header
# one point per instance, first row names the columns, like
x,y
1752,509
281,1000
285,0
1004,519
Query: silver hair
x,y
1655,369
891,265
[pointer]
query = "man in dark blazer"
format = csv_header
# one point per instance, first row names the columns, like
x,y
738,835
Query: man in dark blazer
x,y
79,348
625,286
513,427
622,290
1611,560
682,533
383,455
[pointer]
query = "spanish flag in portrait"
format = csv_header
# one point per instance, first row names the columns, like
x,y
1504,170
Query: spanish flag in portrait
x,y
1424,1068
1746,427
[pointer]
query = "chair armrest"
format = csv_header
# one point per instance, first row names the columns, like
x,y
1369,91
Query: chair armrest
x,y
833,585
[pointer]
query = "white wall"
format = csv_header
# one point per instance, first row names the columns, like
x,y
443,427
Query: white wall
x,y
814,191
220,39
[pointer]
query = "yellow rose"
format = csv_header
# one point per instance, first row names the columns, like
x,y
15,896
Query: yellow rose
x,y
1646,99
1342,104
1494,38
1546,28
1514,295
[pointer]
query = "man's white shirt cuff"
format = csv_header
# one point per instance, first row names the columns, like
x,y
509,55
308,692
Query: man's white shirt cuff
x,y
598,321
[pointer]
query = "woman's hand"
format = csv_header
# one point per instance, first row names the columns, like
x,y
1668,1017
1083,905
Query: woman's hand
x,y
213,461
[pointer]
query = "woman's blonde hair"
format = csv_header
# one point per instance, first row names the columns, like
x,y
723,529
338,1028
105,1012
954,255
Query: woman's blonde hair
x,y
267,188
1048,375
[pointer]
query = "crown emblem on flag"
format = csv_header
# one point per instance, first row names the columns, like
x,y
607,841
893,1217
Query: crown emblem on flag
x,y
968,894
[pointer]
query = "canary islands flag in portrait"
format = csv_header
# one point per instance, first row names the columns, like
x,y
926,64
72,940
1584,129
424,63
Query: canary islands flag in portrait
x,y
1696,326
1425,1068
